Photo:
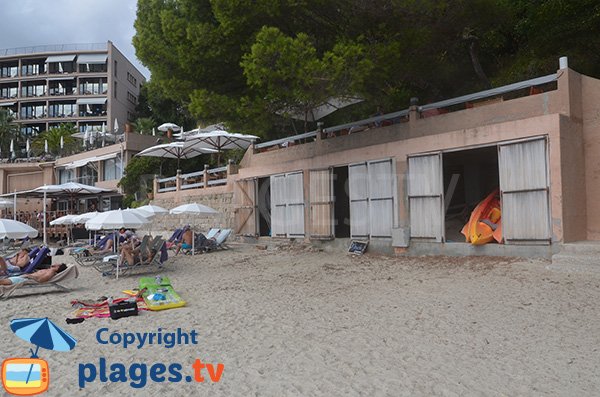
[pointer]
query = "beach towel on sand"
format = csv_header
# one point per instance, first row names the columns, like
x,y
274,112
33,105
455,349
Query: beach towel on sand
x,y
87,309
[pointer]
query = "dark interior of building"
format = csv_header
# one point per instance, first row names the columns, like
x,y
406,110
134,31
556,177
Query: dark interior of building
x,y
469,176
263,198
341,204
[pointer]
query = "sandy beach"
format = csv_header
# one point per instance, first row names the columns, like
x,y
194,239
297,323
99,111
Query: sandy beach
x,y
292,321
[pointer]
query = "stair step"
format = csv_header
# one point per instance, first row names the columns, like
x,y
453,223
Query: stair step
x,y
575,262
583,247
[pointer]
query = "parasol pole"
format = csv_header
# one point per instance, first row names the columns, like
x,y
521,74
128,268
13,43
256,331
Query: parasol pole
x,y
45,238
33,355
15,206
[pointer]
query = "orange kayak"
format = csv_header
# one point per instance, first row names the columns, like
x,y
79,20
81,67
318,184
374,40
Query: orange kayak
x,y
485,223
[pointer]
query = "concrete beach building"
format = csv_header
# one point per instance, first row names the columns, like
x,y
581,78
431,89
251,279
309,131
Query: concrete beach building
x,y
404,180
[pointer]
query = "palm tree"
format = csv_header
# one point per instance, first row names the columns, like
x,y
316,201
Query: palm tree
x,y
8,130
144,125
53,137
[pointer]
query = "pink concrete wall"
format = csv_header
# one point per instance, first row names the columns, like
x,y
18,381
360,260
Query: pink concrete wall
x,y
590,89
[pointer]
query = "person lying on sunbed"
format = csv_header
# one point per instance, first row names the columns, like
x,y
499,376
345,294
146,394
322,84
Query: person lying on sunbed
x,y
186,241
41,276
15,264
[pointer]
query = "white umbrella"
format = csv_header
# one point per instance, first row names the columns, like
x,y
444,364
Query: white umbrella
x,y
193,208
67,220
169,126
174,150
12,145
83,218
6,203
27,146
116,126
16,229
322,110
152,209
220,140
45,146
116,219
62,142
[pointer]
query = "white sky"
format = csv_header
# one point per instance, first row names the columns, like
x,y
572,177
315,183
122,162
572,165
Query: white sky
x,y
28,23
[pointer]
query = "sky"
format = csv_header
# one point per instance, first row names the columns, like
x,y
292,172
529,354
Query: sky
x,y
28,23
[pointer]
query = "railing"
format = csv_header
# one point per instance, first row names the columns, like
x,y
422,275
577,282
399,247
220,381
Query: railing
x,y
520,89
194,180
53,48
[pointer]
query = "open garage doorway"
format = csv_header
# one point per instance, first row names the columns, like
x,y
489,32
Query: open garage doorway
x,y
264,206
469,176
341,202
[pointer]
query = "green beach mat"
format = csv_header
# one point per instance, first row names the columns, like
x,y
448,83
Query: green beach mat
x,y
159,294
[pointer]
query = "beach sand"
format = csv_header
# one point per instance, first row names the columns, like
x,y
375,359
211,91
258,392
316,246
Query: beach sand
x,y
291,321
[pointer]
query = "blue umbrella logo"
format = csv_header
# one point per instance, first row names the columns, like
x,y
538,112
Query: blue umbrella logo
x,y
43,333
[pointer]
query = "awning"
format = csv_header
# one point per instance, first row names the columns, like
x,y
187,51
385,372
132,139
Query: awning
x,y
91,101
61,78
7,103
60,58
92,59
81,163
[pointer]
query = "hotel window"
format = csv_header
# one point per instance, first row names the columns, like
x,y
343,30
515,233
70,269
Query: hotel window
x,y
33,111
33,89
93,87
62,110
113,169
115,68
8,70
115,89
131,98
65,176
131,79
7,92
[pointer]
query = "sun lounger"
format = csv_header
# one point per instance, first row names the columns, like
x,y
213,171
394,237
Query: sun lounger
x,y
71,272
221,239
41,254
156,263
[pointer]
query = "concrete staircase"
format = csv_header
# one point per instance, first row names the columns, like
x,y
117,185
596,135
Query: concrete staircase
x,y
580,256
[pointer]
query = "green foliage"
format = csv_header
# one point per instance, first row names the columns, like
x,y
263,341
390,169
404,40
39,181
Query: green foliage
x,y
144,125
138,175
8,130
53,136
249,62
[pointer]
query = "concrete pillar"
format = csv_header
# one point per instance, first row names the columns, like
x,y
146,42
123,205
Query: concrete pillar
x,y
178,181
231,168
155,185
413,110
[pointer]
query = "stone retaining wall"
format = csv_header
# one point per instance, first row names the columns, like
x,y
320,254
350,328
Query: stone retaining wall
x,y
222,202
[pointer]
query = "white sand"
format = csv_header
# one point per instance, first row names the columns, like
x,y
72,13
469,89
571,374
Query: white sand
x,y
295,322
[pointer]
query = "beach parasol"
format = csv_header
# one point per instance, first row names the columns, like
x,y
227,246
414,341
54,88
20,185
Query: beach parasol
x,y
114,220
67,220
15,229
219,140
168,126
174,150
43,333
193,208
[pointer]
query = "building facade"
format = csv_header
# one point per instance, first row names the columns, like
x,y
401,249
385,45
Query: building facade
x,y
93,86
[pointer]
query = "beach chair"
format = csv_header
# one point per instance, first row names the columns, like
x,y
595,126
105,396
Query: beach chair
x,y
106,262
34,263
143,266
221,239
71,272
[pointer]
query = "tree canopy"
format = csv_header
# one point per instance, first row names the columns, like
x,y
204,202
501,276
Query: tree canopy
x,y
253,63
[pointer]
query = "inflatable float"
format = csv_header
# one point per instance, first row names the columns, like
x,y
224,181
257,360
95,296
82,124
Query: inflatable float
x,y
485,222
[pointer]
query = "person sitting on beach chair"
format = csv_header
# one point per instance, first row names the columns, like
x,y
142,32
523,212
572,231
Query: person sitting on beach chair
x,y
134,256
41,276
186,241
16,263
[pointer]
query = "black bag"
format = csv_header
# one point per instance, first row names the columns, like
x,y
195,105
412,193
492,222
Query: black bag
x,y
123,309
